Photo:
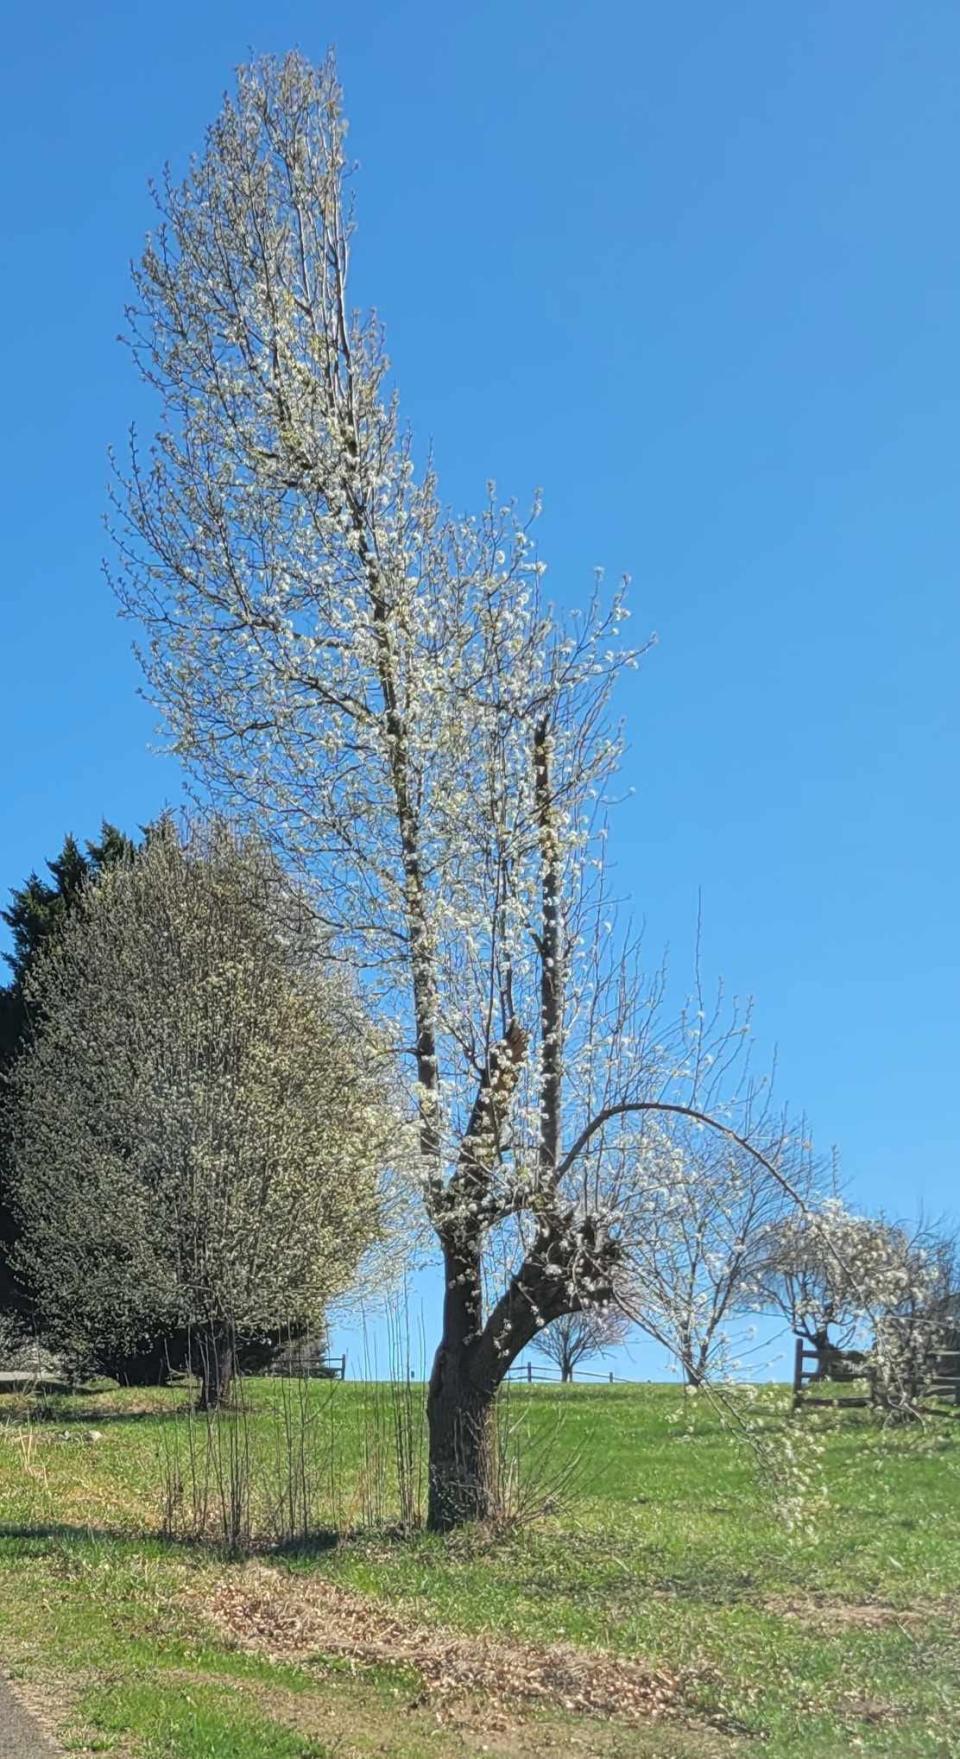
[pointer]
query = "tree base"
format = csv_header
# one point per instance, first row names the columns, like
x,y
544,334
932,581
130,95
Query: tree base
x,y
463,1451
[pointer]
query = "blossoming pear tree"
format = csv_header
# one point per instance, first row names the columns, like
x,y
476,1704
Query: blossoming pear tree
x,y
384,687
703,1203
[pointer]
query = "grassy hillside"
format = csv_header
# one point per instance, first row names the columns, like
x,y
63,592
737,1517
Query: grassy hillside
x,y
662,1577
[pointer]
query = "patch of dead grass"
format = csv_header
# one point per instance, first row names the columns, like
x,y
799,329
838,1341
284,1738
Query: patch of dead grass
x,y
356,1722
288,1620
831,1613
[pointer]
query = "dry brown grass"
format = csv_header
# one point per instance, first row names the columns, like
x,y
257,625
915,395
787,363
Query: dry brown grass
x,y
833,1613
264,1611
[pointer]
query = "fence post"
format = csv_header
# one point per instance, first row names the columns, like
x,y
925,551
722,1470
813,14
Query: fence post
x,y
611,1377
797,1372
529,1373
343,1366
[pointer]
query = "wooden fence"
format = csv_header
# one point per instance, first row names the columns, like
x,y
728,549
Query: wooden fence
x,y
941,1391
534,1371
291,1366
804,1378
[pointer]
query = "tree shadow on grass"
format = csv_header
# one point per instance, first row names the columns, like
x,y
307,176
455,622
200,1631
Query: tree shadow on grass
x,y
38,1536
312,1545
91,1417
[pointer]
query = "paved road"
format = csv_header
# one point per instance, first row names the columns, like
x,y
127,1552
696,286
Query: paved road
x,y
20,1738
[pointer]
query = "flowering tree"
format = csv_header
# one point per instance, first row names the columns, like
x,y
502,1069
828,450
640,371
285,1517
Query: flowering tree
x,y
813,1269
916,1313
872,1297
575,1337
383,686
201,1118
703,1203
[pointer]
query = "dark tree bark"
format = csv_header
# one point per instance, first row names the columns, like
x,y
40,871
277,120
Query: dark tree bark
x,y
217,1353
693,1361
824,1350
474,1357
466,1375
461,1420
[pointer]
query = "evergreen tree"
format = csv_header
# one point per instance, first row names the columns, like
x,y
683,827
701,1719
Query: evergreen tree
x,y
37,910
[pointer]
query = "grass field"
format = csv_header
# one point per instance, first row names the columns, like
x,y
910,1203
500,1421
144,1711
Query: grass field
x,y
664,1571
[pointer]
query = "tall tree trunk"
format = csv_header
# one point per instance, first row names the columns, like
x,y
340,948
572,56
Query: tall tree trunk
x,y
217,1354
475,1354
695,1366
463,1448
692,1370
460,1402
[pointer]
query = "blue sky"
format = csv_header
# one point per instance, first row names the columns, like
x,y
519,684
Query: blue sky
x,y
695,271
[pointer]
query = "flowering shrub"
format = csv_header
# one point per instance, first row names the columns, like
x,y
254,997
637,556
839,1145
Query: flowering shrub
x,y
201,1122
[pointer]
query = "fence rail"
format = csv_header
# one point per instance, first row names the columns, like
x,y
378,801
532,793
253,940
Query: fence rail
x,y
943,1384
294,1367
534,1371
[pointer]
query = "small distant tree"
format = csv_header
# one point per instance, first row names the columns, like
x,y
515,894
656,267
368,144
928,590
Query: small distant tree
x,y
814,1268
575,1337
701,1205
871,1296
201,1119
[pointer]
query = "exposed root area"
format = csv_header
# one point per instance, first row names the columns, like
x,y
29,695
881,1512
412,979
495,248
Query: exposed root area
x,y
270,1614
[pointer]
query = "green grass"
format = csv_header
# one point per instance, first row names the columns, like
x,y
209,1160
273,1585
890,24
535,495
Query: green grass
x,y
199,1722
842,1634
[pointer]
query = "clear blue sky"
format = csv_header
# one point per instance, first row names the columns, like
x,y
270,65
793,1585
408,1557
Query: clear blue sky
x,y
694,270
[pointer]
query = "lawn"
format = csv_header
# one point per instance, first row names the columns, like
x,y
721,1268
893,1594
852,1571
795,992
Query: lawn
x,y
661,1576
